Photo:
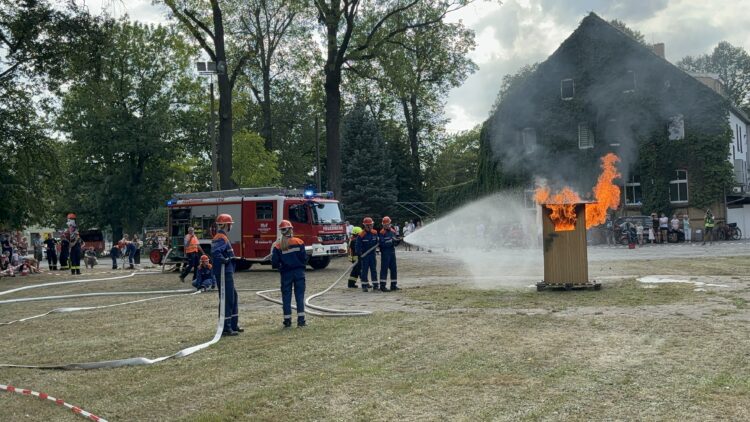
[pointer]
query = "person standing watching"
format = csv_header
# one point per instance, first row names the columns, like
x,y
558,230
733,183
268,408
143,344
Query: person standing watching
x,y
51,245
137,253
290,258
222,253
367,241
686,228
193,252
708,223
663,227
76,246
387,240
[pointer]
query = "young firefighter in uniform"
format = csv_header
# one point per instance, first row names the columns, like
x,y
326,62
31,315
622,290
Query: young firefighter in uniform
x,y
386,240
289,256
222,252
357,269
65,251
51,251
205,279
367,240
76,248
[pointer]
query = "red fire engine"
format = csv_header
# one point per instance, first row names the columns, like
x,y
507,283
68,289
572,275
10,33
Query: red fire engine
x,y
317,220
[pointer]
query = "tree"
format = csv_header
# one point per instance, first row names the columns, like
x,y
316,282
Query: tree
x,y
457,161
212,41
419,66
253,164
731,64
340,18
512,81
120,122
368,182
634,34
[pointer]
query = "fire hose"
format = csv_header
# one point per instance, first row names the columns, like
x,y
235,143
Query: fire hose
x,y
324,312
44,396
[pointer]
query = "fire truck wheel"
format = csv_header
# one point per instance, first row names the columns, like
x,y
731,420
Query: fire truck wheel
x,y
243,265
320,262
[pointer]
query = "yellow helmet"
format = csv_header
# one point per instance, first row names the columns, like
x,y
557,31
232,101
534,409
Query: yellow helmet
x,y
356,230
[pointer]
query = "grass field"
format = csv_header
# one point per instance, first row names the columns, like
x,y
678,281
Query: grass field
x,y
627,352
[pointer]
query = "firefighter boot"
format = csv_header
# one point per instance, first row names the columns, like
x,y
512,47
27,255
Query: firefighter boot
x,y
352,283
287,322
78,271
394,286
364,287
375,286
382,287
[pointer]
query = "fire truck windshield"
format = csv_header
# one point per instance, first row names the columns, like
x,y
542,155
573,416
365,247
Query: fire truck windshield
x,y
327,213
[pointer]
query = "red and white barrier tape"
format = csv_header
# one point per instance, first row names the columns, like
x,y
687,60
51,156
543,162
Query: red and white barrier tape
x,y
42,396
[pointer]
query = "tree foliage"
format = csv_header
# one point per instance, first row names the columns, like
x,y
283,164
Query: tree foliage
x,y
253,164
731,64
120,120
368,182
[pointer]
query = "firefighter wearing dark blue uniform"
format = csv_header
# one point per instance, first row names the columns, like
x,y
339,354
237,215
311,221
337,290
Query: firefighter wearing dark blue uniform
x,y
289,256
222,252
76,244
51,251
65,251
205,279
365,246
357,268
387,241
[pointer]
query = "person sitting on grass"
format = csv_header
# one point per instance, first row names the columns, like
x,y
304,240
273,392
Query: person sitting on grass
x,y
6,270
90,258
205,280
26,268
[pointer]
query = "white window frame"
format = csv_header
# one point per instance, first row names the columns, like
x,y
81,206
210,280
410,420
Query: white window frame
x,y
584,129
529,201
632,184
679,181
573,85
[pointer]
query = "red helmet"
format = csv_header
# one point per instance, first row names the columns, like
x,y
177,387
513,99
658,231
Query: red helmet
x,y
367,221
386,220
71,216
204,258
285,224
224,219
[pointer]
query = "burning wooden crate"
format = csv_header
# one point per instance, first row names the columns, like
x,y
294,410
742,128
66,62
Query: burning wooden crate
x,y
564,244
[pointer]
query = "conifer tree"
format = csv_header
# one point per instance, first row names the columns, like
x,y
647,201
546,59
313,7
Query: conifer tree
x,y
368,182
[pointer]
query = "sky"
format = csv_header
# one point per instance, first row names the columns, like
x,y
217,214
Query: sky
x,y
513,33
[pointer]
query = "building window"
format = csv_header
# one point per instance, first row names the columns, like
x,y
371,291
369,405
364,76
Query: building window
x,y
633,192
567,89
585,136
528,199
678,188
528,139
676,127
264,211
629,82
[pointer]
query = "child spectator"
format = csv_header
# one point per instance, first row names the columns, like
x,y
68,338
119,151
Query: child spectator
x,y
90,257
639,232
6,270
205,277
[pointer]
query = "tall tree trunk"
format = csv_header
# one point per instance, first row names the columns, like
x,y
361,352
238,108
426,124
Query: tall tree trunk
x,y
411,113
225,103
333,135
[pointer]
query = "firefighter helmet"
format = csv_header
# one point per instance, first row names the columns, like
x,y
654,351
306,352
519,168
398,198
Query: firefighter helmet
x,y
356,230
285,224
224,219
386,220
71,216
204,258
367,221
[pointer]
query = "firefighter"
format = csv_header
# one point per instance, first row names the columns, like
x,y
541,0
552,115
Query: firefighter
x,y
290,258
367,241
205,279
193,251
65,251
222,253
76,244
357,268
51,244
386,240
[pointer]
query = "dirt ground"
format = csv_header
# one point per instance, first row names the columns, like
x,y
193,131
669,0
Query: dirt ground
x,y
469,338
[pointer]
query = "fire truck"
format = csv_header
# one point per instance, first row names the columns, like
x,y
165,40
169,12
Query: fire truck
x,y
317,220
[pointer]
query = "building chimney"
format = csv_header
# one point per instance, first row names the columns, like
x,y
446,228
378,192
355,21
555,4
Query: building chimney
x,y
658,49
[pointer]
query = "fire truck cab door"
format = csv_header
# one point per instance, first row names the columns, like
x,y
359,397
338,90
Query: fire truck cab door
x,y
261,217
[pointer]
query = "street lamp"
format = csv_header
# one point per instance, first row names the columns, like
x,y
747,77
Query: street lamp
x,y
209,69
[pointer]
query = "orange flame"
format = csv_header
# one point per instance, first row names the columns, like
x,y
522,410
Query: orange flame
x,y
562,204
